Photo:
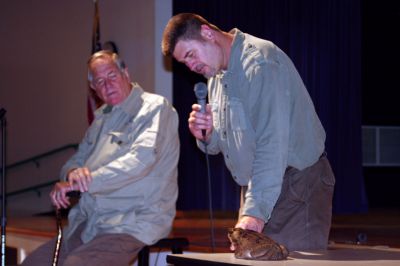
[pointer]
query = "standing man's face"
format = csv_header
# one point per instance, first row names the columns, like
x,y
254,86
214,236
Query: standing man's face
x,y
110,83
202,57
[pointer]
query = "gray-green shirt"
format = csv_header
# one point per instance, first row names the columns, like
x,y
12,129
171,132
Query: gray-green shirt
x,y
264,121
132,151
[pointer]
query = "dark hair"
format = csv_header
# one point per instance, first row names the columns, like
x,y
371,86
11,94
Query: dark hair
x,y
105,54
184,26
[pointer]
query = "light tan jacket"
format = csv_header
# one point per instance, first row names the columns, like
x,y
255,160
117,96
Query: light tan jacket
x,y
132,152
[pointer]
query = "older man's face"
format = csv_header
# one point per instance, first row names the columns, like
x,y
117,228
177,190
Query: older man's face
x,y
110,83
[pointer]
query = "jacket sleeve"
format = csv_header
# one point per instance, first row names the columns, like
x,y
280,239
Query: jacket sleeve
x,y
268,103
78,159
212,145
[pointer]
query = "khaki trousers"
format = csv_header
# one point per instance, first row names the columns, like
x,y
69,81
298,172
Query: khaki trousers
x,y
103,250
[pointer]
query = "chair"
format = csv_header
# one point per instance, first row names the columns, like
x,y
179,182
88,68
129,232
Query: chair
x,y
176,244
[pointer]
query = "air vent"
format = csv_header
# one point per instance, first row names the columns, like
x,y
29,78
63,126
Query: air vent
x,y
381,146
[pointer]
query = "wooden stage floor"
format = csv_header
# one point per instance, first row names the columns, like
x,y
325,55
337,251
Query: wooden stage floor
x,y
377,228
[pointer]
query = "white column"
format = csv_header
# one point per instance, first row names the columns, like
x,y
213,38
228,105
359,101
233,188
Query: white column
x,y
163,66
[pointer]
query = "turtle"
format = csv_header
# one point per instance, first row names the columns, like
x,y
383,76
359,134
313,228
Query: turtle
x,y
252,245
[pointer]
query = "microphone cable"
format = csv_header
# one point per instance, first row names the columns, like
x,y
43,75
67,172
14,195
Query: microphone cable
x,y
200,90
3,186
210,207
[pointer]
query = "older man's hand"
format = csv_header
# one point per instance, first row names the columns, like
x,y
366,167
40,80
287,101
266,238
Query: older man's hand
x,y
58,194
80,177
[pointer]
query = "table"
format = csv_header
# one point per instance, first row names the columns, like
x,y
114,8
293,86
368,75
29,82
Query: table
x,y
343,255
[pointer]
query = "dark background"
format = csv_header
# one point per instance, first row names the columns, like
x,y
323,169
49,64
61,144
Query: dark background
x,y
345,51
380,85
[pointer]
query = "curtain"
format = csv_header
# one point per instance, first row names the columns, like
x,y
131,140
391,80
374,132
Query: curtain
x,y
323,39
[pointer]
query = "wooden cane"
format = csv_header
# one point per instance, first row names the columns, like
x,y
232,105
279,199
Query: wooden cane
x,y
59,238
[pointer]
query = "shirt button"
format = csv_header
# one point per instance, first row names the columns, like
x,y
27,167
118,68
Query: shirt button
x,y
225,86
227,156
224,133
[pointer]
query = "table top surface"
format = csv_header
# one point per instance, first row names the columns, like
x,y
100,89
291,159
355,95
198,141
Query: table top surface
x,y
344,255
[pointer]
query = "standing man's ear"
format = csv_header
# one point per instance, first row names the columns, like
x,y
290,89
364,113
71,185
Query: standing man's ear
x,y
207,33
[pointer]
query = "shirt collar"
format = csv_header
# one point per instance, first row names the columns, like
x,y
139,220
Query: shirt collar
x,y
238,38
128,105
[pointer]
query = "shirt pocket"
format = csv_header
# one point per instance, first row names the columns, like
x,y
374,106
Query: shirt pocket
x,y
236,114
119,138
214,110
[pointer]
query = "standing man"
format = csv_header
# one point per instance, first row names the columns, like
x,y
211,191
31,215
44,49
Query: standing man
x,y
125,169
262,119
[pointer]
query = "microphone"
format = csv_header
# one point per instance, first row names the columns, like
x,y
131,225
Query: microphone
x,y
200,90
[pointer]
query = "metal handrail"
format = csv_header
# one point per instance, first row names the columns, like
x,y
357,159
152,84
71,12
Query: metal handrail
x,y
34,159
40,156
32,188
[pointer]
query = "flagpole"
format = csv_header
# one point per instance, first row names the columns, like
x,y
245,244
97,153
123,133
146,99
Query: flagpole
x,y
92,100
96,44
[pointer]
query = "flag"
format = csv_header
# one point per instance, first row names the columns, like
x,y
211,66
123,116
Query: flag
x,y
96,44
93,102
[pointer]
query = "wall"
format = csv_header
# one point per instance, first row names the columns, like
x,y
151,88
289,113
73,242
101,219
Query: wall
x,y
45,46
